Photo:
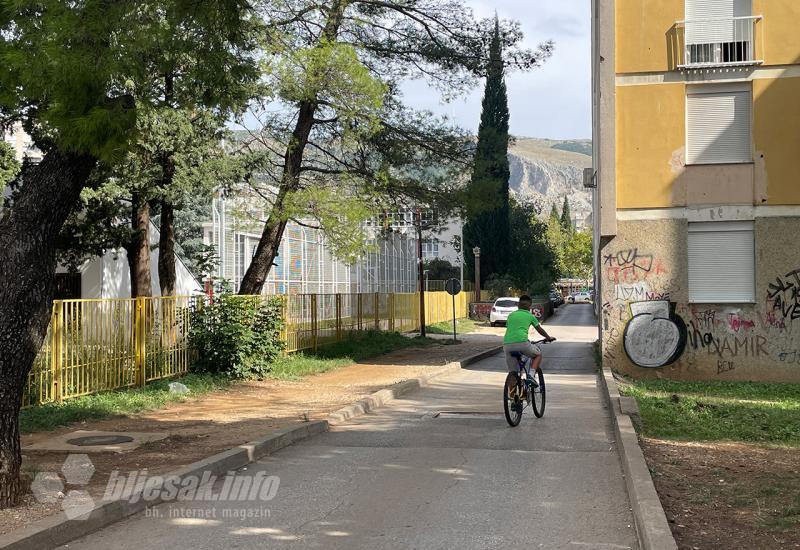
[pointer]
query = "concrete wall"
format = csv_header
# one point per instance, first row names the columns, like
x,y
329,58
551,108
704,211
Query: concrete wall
x,y
644,269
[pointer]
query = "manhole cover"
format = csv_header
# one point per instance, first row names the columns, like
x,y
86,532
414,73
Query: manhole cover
x,y
94,440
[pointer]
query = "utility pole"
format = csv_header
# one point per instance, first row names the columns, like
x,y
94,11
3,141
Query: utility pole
x,y
421,266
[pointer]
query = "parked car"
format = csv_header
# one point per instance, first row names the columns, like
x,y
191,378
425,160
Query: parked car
x,y
582,298
556,299
501,308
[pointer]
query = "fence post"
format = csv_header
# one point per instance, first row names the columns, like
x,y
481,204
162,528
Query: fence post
x,y
338,317
285,328
377,311
56,350
314,322
360,312
140,338
391,312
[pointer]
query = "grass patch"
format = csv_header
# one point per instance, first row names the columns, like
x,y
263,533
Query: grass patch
x,y
446,327
155,395
719,411
339,354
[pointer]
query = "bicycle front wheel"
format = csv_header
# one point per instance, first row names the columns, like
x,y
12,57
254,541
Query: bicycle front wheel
x,y
512,399
539,395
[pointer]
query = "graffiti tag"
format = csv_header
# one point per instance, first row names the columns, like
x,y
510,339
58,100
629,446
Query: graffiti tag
x,y
784,294
654,336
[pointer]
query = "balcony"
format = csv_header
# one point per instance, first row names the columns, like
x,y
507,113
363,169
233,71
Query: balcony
x,y
707,43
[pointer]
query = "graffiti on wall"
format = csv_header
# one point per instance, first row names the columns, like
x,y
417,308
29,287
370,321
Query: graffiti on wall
x,y
654,336
630,266
783,296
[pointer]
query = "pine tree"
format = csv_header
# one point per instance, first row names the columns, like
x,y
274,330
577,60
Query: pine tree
x,y
342,130
79,75
488,225
566,217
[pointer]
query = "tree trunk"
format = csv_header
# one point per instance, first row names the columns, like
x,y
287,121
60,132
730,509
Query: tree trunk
x,y
256,275
138,248
166,239
166,250
28,231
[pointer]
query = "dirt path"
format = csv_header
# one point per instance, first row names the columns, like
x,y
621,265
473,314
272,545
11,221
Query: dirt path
x,y
728,495
246,411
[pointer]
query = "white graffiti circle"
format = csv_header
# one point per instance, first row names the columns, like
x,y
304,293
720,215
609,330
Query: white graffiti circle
x,y
652,338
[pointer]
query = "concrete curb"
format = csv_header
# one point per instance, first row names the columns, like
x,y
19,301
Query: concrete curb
x,y
55,530
380,398
652,527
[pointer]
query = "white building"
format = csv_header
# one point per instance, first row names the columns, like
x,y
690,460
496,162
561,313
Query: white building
x,y
109,276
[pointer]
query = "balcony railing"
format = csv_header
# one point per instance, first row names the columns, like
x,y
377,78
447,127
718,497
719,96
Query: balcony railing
x,y
729,42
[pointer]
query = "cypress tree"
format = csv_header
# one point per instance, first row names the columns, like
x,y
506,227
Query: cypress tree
x,y
566,217
488,210
554,217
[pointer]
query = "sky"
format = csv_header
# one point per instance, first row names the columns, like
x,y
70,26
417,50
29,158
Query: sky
x,y
553,101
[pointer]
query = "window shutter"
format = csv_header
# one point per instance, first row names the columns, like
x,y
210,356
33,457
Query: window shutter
x,y
721,262
718,127
711,21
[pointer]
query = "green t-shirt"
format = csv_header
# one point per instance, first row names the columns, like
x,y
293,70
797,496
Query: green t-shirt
x,y
517,326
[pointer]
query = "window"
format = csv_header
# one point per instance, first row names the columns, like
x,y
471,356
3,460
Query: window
x,y
719,31
718,124
721,262
430,249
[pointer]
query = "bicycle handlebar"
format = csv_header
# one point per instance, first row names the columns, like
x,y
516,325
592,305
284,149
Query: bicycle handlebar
x,y
542,341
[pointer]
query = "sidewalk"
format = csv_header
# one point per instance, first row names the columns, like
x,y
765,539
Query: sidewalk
x,y
221,420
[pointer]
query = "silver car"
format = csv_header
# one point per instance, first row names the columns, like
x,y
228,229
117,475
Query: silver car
x,y
501,308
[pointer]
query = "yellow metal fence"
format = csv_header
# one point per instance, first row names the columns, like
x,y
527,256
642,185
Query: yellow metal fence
x,y
106,344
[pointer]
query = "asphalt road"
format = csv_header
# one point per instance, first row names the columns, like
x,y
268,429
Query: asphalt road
x,y
439,468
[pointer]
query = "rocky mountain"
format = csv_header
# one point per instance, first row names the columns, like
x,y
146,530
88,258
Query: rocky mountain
x,y
547,170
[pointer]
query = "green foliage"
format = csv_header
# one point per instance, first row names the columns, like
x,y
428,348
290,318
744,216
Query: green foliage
x,y
236,336
370,344
446,327
581,146
117,403
9,166
487,225
712,411
534,266
78,74
441,270
500,285
566,217
554,216
577,256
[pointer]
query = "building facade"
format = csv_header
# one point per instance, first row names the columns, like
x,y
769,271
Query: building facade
x,y
696,108
305,264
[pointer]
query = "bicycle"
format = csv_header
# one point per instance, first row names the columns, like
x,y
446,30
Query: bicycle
x,y
520,392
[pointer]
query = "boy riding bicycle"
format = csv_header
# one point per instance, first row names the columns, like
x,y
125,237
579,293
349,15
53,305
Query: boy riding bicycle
x,y
516,337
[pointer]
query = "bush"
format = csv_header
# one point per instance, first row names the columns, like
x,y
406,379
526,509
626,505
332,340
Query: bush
x,y
236,336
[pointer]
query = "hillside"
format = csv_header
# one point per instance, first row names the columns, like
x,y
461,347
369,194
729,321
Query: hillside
x,y
549,169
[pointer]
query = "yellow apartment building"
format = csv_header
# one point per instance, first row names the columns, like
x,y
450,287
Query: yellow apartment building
x,y
696,171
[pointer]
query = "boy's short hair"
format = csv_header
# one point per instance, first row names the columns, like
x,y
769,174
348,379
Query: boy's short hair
x,y
525,302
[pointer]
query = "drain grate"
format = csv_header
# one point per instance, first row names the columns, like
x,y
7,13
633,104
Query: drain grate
x,y
95,440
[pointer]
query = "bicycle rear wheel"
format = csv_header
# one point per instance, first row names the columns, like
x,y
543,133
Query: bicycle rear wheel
x,y
512,399
539,395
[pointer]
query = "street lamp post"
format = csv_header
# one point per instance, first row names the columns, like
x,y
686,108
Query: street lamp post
x,y
477,252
